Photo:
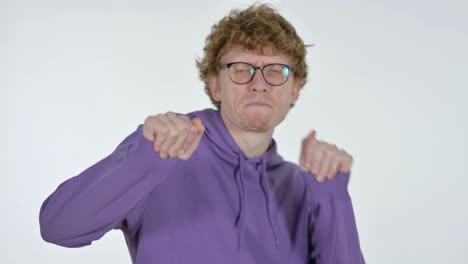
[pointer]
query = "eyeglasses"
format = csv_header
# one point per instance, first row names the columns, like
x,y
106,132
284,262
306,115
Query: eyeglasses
x,y
274,74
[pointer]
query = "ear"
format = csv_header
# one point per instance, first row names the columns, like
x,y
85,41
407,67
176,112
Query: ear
x,y
213,85
297,85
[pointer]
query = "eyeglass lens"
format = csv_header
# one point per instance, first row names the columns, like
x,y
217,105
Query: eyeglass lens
x,y
274,74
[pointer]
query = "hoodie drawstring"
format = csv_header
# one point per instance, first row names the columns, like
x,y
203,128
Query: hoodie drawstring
x,y
240,186
266,190
240,222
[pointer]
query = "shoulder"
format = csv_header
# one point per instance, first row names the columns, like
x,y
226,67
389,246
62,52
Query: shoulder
x,y
290,174
287,175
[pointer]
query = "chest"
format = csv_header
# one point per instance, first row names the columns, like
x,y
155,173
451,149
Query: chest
x,y
195,215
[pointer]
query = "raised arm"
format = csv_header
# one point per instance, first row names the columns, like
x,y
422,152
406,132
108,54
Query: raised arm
x,y
333,234
110,194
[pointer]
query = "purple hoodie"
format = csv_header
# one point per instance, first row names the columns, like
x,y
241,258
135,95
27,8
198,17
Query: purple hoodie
x,y
216,207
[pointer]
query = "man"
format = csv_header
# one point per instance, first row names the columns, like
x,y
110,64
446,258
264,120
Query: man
x,y
218,192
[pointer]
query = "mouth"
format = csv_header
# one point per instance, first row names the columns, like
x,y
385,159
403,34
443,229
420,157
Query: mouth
x,y
258,104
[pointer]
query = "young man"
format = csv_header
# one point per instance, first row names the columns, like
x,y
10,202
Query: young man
x,y
218,192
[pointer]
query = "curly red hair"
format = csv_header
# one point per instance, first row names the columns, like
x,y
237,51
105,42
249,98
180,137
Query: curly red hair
x,y
257,27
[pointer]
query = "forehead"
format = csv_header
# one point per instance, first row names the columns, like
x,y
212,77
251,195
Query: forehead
x,y
258,57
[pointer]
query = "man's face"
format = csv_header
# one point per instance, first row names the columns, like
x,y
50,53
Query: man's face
x,y
257,105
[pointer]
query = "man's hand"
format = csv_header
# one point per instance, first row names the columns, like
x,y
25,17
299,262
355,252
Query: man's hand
x,y
173,135
323,159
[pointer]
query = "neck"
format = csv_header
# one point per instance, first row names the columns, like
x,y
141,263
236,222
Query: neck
x,y
252,143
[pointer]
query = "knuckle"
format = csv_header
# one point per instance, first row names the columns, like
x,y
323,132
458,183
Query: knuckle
x,y
147,135
164,130
185,128
173,134
165,147
316,145
149,120
315,159
346,155
163,150
336,162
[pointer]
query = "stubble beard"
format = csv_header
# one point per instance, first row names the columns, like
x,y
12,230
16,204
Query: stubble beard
x,y
257,122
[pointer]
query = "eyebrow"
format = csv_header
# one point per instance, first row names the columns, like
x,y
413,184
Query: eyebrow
x,y
281,63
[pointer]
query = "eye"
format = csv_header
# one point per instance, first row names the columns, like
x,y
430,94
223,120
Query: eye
x,y
242,68
278,69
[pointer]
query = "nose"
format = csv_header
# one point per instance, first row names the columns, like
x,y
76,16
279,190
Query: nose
x,y
258,83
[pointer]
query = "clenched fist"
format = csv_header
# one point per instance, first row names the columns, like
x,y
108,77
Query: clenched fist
x,y
322,159
173,135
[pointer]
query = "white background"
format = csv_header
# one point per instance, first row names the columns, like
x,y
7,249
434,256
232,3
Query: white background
x,y
388,83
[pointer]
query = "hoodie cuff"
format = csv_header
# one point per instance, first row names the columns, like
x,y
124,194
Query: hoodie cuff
x,y
336,188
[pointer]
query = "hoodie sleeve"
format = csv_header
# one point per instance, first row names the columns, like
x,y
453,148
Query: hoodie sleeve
x,y
333,235
110,194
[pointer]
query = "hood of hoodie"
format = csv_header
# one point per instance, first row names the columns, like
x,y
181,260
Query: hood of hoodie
x,y
218,133
226,147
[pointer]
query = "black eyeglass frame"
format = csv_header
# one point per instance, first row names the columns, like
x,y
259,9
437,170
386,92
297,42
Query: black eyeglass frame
x,y
228,66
